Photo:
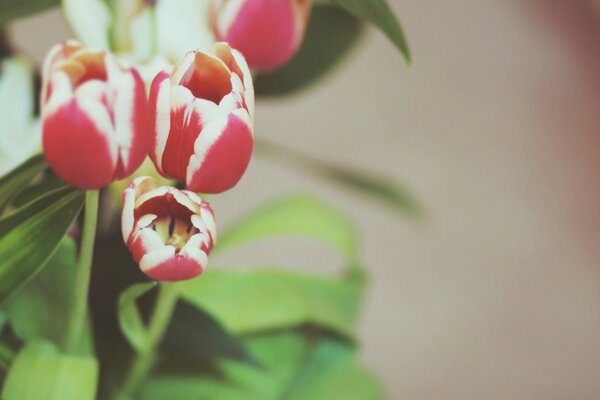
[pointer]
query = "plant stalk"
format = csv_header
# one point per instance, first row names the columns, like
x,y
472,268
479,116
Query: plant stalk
x,y
84,270
159,322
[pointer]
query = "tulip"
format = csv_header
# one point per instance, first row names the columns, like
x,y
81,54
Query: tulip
x,y
170,232
267,32
94,116
203,115
20,136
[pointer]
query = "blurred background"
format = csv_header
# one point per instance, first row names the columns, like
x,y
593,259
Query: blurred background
x,y
496,129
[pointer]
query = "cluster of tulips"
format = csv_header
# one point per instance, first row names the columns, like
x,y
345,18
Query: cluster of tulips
x,y
101,119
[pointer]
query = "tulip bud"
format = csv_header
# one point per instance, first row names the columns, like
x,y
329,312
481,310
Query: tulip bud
x,y
267,32
170,232
94,116
203,115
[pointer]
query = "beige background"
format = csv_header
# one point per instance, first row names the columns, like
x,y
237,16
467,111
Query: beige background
x,y
496,128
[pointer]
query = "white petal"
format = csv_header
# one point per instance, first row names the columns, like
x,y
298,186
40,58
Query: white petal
x,y
182,25
156,257
90,20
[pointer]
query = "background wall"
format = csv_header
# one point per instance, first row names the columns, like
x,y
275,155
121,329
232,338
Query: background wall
x,y
496,128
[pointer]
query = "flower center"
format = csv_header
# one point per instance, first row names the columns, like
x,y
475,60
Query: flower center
x,y
174,232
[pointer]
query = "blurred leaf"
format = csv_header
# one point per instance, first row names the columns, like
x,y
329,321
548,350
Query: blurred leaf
x,y
364,182
16,180
197,338
331,34
41,372
297,216
379,13
246,301
13,9
292,367
30,235
254,300
40,309
130,319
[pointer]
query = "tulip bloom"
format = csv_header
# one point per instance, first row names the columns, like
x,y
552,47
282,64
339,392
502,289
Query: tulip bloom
x,y
267,32
169,232
94,116
203,115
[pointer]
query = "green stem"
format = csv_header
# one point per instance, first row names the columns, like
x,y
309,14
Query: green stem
x,y
159,321
84,270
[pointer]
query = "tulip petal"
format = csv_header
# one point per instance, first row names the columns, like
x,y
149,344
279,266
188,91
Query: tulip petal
x,y
264,31
160,117
130,120
188,118
221,154
207,77
77,143
164,265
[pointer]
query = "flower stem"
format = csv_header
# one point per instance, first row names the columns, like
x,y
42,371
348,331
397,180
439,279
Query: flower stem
x,y
159,321
82,275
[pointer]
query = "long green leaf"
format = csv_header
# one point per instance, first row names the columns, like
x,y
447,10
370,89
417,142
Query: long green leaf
x,y
15,181
130,319
41,372
14,9
40,310
331,34
30,235
379,13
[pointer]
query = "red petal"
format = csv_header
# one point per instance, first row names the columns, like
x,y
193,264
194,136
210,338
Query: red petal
x,y
226,160
265,32
207,78
76,149
177,268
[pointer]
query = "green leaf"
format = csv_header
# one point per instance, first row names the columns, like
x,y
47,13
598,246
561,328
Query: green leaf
x,y
297,216
255,300
247,301
292,367
130,319
14,9
363,182
41,372
50,183
40,309
30,235
12,183
379,13
331,34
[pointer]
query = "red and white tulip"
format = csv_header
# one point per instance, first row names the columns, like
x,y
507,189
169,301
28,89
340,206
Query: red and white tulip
x,y
267,32
94,116
170,232
203,113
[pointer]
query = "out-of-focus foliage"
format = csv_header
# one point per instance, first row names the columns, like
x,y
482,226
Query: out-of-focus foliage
x,y
40,371
13,9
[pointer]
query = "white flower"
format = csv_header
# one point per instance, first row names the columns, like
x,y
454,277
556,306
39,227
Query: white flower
x,y
20,133
142,30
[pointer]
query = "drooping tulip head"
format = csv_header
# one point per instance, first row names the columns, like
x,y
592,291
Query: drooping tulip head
x,y
267,32
94,116
170,232
203,113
